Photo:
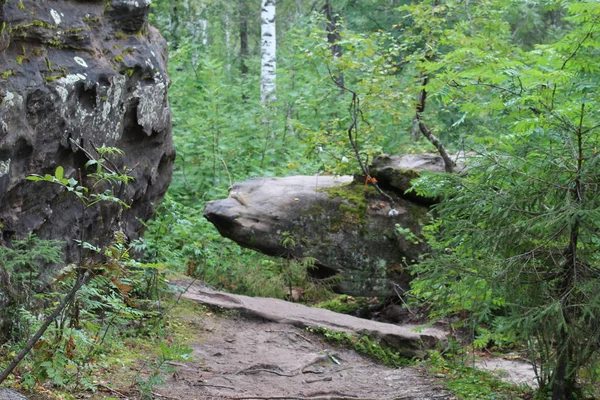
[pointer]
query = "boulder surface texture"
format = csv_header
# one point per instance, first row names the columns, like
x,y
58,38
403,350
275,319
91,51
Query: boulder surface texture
x,y
342,223
76,76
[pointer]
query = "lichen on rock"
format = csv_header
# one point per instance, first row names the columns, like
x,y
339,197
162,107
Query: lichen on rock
x,y
342,224
80,75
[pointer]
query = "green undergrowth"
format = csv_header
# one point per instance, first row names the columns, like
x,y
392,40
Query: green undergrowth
x,y
454,367
133,358
364,345
140,359
466,382
345,304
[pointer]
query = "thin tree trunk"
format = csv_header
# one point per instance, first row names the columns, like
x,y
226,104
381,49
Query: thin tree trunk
x,y
268,67
174,28
564,377
333,38
244,52
29,345
227,26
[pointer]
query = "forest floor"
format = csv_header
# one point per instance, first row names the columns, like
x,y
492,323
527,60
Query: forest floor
x,y
237,355
239,358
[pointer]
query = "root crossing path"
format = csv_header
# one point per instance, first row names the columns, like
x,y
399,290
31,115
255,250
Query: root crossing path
x,y
265,354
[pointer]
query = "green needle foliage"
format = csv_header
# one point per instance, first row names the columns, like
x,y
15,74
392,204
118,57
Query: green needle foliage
x,y
517,236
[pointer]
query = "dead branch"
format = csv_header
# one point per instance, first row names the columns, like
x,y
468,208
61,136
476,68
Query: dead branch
x,y
326,379
254,371
215,386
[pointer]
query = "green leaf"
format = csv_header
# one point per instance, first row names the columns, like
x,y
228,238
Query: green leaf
x,y
59,173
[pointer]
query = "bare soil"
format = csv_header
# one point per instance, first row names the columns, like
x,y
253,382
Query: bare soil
x,y
252,359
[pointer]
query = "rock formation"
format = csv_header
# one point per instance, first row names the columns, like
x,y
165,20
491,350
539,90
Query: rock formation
x,y
7,394
75,76
79,75
344,224
395,172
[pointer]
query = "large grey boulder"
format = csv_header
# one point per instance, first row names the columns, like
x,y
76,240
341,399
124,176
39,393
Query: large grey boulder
x,y
345,225
7,394
74,76
78,75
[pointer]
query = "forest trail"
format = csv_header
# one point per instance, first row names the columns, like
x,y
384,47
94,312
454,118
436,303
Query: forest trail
x,y
245,359
263,352
242,358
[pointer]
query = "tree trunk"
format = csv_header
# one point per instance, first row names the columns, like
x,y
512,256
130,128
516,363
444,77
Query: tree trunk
x,y
268,66
174,26
243,10
333,38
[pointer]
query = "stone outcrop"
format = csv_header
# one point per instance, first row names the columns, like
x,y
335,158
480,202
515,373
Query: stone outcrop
x,y
345,225
395,172
402,338
75,76
7,394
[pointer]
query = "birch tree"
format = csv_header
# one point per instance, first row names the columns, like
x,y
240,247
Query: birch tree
x,y
268,67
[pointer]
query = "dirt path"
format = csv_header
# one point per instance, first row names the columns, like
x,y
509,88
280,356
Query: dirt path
x,y
249,359
262,351
408,340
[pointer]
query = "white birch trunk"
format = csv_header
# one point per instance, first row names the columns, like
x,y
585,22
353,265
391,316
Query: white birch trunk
x,y
268,66
199,32
227,26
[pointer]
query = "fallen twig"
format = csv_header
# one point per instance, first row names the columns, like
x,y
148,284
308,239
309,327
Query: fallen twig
x,y
303,398
115,391
253,371
163,396
326,379
330,393
334,397
215,386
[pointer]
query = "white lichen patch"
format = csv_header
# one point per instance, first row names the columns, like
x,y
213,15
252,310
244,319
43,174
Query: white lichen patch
x,y
8,99
137,4
108,116
12,100
152,109
71,79
55,16
80,61
62,85
4,167
63,93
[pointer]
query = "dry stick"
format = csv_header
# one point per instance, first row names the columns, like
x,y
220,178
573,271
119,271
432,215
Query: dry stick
x,y
396,286
178,298
112,390
253,371
335,397
215,386
163,396
66,300
326,379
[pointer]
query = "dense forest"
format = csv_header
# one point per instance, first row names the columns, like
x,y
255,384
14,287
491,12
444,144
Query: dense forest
x,y
322,87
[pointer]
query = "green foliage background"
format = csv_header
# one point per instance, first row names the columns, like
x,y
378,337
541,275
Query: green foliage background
x,y
512,82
